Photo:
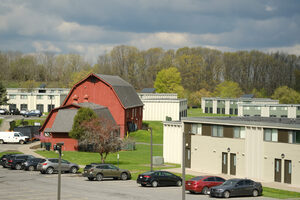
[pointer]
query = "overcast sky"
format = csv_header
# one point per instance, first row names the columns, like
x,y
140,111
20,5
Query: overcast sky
x,y
93,27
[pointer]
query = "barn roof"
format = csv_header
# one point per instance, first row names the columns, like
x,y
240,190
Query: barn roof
x,y
123,89
65,117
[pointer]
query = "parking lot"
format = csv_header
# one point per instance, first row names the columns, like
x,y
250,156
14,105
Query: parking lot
x,y
19,184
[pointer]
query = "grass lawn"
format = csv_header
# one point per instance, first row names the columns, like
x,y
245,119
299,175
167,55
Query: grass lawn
x,y
1,121
279,194
197,112
9,152
144,135
30,121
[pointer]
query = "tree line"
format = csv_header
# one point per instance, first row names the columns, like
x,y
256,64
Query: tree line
x,y
200,68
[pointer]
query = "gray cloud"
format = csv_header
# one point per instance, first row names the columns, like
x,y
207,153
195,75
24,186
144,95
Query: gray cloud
x,y
92,26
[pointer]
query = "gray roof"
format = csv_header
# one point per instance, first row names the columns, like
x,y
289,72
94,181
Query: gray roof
x,y
268,122
65,117
123,89
148,90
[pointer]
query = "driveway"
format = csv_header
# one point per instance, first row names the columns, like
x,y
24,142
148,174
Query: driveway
x,y
35,186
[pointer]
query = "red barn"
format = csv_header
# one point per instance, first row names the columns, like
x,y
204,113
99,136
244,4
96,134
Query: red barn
x,y
112,95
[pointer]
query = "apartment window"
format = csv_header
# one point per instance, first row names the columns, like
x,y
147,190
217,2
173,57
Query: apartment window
x,y
272,108
257,108
12,96
257,115
284,108
247,108
231,111
283,116
239,132
294,137
39,97
23,96
298,107
217,131
210,110
196,129
272,115
298,116
236,111
50,107
51,97
206,109
271,135
24,106
218,110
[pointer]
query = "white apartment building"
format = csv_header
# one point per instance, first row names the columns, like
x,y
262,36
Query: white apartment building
x,y
263,149
43,99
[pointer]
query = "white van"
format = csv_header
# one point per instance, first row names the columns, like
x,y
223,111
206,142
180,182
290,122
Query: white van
x,y
13,137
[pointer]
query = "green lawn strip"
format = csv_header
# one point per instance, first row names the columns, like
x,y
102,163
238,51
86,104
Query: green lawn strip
x,y
10,152
197,112
279,194
30,121
144,135
1,121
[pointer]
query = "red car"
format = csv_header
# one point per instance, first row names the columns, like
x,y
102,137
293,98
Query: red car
x,y
201,184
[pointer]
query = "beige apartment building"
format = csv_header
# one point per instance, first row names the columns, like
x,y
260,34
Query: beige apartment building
x,y
263,149
43,99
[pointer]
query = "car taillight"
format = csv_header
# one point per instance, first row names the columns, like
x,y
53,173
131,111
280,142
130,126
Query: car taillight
x,y
147,176
10,161
44,163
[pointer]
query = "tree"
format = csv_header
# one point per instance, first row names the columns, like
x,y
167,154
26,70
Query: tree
x,y
3,95
83,115
103,134
195,97
169,81
286,95
228,89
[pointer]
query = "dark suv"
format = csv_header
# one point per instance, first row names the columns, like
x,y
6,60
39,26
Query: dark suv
x,y
100,171
15,162
4,158
31,164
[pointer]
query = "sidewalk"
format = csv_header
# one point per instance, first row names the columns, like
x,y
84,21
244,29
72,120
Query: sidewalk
x,y
26,149
281,186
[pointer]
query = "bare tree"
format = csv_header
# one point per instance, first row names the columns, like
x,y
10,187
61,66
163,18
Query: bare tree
x,y
103,135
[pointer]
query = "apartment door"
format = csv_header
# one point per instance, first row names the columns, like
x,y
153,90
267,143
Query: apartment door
x,y
224,162
287,171
277,172
188,157
232,163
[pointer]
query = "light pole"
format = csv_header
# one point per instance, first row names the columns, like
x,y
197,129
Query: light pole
x,y
57,147
183,166
151,150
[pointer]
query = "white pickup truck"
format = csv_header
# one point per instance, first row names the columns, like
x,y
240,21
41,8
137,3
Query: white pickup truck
x,y
13,137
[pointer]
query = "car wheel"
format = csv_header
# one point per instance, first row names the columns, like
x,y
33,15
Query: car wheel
x,y
205,190
73,170
31,168
124,176
42,172
178,183
1,142
99,177
255,193
226,194
18,167
21,142
154,183
90,178
49,170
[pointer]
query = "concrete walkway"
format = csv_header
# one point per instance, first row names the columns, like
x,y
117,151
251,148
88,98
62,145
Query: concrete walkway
x,y
27,150
281,186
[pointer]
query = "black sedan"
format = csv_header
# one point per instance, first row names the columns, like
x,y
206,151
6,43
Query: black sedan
x,y
237,187
158,178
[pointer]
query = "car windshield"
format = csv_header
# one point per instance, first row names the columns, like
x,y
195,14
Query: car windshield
x,y
148,173
230,182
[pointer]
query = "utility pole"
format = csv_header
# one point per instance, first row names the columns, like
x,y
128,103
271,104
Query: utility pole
x,y
58,147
